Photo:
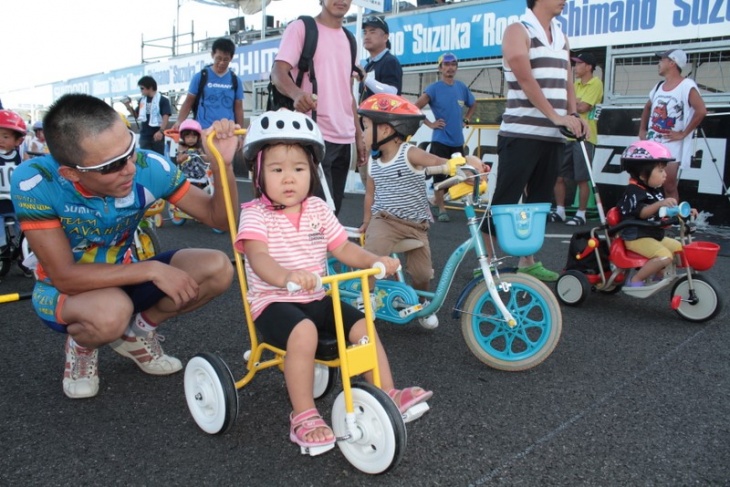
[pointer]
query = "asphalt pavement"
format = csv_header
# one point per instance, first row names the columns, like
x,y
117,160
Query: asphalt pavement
x,y
632,395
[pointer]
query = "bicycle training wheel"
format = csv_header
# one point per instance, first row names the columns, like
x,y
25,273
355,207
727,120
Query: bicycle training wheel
x,y
380,440
572,288
210,392
530,341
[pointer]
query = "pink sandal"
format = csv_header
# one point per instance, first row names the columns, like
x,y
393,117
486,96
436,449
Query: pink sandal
x,y
411,405
304,423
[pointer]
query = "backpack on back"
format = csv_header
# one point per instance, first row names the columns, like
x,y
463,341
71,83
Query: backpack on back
x,y
201,88
276,99
588,264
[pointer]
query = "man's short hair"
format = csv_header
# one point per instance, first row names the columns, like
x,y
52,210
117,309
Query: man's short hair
x,y
72,119
147,82
531,4
224,44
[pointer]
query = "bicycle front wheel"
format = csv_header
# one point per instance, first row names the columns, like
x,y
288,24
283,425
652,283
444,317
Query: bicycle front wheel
x,y
530,341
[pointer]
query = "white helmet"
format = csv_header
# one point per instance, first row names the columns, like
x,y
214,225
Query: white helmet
x,y
283,126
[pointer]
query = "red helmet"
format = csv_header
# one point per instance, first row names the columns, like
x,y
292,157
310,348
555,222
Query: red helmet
x,y
12,121
396,111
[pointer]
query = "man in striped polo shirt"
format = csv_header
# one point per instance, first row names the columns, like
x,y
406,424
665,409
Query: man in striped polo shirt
x,y
540,99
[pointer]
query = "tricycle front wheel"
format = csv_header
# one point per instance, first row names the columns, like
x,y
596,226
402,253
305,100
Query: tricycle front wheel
x,y
705,304
530,341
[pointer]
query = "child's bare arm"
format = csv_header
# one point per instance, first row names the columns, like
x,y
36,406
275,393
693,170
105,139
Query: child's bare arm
x,y
355,256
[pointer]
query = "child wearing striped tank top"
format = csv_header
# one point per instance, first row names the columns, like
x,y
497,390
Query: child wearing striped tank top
x,y
396,206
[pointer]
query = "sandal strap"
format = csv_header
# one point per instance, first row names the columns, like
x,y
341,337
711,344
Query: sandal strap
x,y
307,421
303,416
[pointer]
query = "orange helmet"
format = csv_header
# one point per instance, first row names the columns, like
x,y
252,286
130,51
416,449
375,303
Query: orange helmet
x,y
396,111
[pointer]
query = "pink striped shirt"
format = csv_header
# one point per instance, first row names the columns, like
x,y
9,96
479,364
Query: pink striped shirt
x,y
294,247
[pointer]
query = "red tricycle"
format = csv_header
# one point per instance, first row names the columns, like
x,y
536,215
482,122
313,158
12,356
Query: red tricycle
x,y
602,263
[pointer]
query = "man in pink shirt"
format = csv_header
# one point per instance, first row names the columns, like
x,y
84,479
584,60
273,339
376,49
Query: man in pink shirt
x,y
335,104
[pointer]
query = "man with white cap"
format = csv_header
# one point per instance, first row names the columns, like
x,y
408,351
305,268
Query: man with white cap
x,y
674,110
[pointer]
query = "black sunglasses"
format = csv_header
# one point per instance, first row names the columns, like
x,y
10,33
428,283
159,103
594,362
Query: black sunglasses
x,y
116,164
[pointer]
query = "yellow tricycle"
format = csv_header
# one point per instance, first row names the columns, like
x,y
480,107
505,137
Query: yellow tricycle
x,y
369,428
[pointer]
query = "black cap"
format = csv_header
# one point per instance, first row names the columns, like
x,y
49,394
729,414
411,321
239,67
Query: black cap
x,y
585,57
377,22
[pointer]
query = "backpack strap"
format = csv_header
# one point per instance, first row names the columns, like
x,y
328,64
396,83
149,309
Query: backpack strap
x,y
201,89
306,60
353,48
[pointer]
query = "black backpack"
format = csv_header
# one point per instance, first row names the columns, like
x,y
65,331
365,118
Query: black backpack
x,y
201,88
589,263
277,100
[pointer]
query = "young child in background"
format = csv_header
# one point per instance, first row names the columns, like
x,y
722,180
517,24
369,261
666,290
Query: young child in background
x,y
396,205
285,234
12,133
190,156
37,145
646,161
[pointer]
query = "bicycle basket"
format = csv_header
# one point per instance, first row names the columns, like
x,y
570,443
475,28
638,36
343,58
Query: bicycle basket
x,y
520,228
701,255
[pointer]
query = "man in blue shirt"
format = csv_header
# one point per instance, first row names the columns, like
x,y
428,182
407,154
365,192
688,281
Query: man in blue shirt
x,y
447,99
218,99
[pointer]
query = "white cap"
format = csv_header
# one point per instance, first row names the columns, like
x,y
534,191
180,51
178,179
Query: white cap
x,y
677,55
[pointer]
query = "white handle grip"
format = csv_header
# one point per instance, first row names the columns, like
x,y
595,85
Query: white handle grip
x,y
293,287
381,267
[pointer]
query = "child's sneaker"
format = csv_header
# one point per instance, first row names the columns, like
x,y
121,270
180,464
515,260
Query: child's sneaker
x,y
430,322
147,353
81,375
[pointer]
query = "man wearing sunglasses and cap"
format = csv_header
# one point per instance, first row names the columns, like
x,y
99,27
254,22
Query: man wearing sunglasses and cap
x,y
79,208
674,110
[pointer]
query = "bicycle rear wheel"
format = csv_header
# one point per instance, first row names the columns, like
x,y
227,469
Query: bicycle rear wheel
x,y
530,341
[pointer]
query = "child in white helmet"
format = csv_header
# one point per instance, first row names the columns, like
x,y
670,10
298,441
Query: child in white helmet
x,y
285,234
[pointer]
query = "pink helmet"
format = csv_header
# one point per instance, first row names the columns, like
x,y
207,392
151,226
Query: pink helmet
x,y
646,151
190,124
643,155
12,121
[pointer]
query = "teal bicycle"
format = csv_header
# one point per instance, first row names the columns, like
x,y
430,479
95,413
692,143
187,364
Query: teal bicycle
x,y
510,321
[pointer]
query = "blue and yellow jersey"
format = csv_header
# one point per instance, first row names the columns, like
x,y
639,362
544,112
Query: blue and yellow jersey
x,y
99,230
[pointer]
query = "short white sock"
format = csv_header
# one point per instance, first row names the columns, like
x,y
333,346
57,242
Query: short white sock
x,y
560,210
581,214
139,322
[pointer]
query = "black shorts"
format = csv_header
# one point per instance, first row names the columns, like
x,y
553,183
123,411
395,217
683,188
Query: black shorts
x,y
445,151
527,169
278,320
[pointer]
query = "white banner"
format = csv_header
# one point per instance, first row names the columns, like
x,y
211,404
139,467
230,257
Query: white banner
x,y
376,5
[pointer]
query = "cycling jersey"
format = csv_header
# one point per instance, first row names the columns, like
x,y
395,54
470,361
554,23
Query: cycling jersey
x,y
99,229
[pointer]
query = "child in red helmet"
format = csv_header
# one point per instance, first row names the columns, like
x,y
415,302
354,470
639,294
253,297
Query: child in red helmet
x,y
12,134
396,206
